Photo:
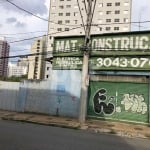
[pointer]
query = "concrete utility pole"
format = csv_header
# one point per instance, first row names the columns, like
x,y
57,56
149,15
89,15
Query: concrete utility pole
x,y
85,67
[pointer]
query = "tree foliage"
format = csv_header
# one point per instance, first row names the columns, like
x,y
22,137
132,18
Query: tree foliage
x,y
13,78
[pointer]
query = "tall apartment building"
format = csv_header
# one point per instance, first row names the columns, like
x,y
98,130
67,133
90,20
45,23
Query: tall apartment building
x,y
23,62
36,61
65,14
17,71
109,16
4,52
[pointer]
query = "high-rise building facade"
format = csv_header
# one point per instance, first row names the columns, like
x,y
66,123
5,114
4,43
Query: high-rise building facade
x,y
36,61
68,17
109,16
4,53
17,71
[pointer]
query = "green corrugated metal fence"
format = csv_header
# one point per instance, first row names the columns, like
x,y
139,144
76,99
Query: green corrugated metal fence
x,y
119,101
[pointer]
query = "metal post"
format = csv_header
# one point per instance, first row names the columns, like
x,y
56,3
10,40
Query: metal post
x,y
85,76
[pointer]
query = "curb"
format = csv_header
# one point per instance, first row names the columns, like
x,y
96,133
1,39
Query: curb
x,y
43,123
77,126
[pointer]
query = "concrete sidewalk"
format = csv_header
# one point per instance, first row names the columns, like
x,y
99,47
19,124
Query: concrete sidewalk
x,y
98,126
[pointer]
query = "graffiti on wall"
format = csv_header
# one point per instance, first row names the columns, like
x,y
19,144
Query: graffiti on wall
x,y
102,103
134,103
107,105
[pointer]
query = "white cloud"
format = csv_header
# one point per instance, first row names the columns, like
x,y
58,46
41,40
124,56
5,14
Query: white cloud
x,y
34,6
14,21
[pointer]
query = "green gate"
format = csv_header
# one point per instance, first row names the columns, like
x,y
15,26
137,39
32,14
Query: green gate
x,y
119,101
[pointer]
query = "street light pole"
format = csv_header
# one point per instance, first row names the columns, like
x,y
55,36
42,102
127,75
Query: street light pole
x,y
85,67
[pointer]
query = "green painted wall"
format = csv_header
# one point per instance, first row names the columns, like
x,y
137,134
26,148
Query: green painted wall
x,y
119,101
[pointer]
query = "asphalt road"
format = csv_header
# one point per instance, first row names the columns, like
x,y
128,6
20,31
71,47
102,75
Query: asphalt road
x,y
24,136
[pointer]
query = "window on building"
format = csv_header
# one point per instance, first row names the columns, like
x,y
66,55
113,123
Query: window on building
x,y
59,29
116,28
36,58
108,12
61,7
60,14
108,20
67,14
47,76
117,11
68,6
61,0
75,14
108,28
66,29
109,4
126,20
117,20
75,21
117,4
99,29
67,21
47,68
59,21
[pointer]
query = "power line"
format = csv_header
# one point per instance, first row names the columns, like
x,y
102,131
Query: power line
x,y
133,23
34,14
4,2
74,49
22,33
81,15
65,24
26,55
42,35
85,6
93,10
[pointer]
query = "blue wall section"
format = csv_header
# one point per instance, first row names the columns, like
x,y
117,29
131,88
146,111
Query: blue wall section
x,y
8,95
58,96
21,97
66,85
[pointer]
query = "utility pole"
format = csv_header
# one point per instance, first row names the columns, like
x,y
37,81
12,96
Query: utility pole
x,y
85,67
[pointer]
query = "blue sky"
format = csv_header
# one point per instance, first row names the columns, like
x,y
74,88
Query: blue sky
x,y
140,13
14,21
